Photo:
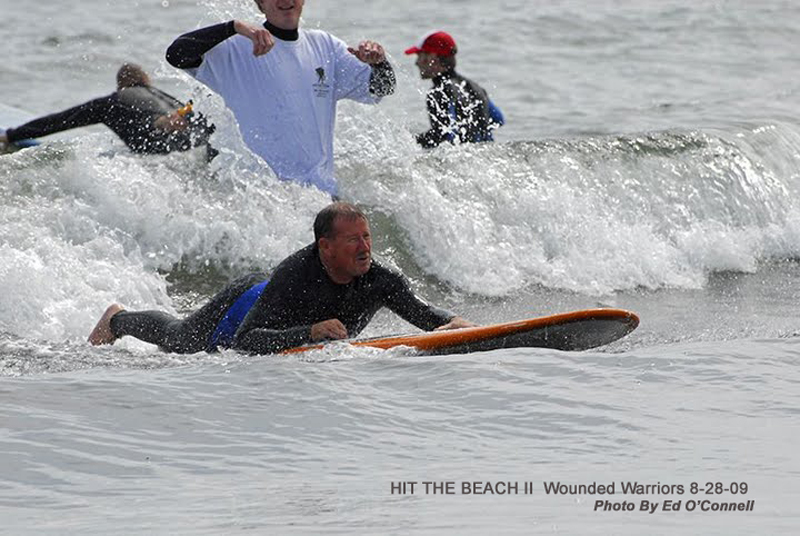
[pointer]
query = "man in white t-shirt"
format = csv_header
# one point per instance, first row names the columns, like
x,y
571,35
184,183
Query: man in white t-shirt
x,y
282,85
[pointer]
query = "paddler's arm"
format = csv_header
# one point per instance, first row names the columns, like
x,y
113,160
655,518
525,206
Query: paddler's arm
x,y
186,52
413,309
85,114
263,341
171,123
256,337
269,341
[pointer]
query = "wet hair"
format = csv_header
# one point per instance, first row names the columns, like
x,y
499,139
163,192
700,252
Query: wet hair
x,y
131,75
326,218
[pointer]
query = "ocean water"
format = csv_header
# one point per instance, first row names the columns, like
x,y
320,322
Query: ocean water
x,y
650,161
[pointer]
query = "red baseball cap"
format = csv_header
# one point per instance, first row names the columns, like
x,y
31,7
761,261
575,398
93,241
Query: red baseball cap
x,y
440,43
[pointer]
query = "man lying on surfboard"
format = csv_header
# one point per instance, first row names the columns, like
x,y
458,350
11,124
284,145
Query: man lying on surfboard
x,y
330,289
148,120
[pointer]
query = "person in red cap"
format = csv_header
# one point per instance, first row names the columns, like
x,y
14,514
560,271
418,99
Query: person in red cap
x,y
460,110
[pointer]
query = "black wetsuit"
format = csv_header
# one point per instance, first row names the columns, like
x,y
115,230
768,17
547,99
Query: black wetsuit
x,y
183,336
186,52
298,295
130,113
459,109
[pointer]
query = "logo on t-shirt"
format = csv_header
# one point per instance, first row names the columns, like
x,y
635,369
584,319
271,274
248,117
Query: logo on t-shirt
x,y
321,88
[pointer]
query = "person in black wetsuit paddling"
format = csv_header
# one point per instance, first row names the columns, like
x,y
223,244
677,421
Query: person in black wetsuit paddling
x,y
330,289
148,120
459,110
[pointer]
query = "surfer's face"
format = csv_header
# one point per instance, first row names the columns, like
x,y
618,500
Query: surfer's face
x,y
285,14
349,253
428,65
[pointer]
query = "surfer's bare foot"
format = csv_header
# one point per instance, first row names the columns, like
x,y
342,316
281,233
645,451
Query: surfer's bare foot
x,y
101,334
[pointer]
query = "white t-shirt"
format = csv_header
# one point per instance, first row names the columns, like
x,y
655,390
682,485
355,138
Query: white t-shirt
x,y
285,100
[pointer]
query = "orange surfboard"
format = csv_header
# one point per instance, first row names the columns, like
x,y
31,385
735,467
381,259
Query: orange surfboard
x,y
578,330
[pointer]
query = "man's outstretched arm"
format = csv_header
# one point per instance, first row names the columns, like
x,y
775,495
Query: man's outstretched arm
x,y
88,113
415,310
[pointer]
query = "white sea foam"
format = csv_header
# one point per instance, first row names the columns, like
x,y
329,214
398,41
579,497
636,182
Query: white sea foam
x,y
589,215
81,230
593,216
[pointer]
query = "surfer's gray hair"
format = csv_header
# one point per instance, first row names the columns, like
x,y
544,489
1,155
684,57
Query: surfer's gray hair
x,y
326,218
